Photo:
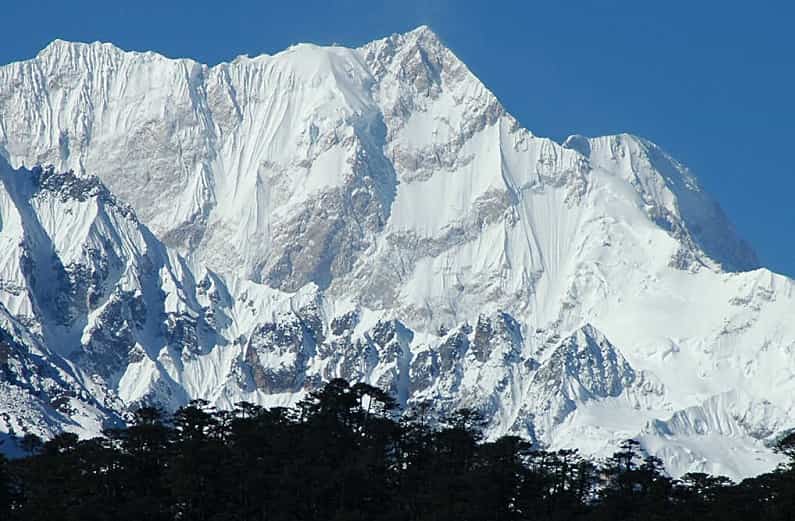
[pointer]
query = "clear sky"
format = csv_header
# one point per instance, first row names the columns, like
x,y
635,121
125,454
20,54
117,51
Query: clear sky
x,y
711,81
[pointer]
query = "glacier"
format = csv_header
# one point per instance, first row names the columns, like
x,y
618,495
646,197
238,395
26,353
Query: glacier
x,y
246,231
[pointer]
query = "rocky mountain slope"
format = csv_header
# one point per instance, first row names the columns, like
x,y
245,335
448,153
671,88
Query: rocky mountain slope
x,y
260,226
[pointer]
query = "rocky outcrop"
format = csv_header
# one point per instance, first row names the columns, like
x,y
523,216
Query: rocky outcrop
x,y
373,214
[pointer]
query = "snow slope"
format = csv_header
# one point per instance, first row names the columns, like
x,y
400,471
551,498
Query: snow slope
x,y
374,214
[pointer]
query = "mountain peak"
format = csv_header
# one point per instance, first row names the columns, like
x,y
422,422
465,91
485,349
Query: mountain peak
x,y
60,46
421,38
424,34
672,196
422,30
360,209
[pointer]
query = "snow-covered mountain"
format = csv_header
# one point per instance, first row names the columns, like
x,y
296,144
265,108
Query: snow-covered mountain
x,y
260,226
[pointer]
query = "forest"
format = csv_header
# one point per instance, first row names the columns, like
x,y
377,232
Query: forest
x,y
345,453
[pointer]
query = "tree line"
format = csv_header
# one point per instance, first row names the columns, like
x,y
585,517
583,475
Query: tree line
x,y
344,454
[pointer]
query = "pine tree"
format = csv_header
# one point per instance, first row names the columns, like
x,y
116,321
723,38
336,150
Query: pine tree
x,y
5,488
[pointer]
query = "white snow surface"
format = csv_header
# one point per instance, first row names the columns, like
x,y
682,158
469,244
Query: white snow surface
x,y
374,214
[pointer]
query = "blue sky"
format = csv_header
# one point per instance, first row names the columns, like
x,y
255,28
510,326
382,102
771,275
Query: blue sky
x,y
712,82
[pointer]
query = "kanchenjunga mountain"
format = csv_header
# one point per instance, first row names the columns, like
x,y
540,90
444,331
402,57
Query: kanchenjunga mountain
x,y
247,231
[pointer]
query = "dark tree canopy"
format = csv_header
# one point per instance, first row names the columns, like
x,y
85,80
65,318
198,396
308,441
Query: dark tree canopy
x,y
344,453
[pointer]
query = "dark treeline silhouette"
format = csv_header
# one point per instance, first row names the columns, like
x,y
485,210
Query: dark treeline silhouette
x,y
343,454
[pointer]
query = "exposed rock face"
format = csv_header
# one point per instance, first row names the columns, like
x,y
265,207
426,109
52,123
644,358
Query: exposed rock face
x,y
583,368
277,354
261,226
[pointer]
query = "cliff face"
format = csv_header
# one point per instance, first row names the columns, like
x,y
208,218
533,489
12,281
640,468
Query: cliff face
x,y
374,214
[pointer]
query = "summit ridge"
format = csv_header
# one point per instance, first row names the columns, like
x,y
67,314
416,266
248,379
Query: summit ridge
x,y
260,226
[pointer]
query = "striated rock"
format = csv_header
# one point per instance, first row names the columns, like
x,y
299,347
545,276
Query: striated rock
x,y
261,226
